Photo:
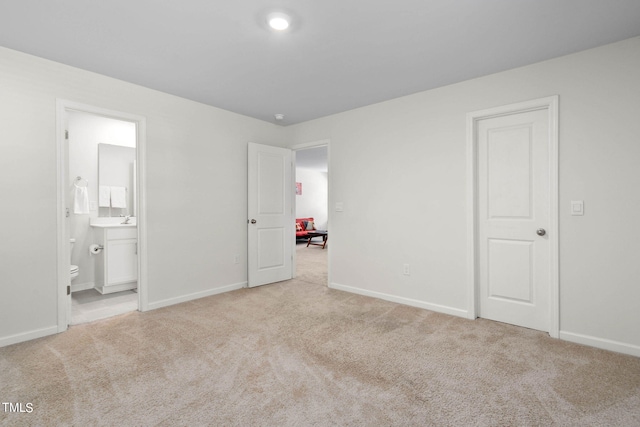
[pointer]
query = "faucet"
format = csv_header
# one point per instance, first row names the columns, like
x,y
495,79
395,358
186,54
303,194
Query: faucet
x,y
126,219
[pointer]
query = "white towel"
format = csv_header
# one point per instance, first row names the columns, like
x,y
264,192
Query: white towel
x,y
118,197
104,196
81,201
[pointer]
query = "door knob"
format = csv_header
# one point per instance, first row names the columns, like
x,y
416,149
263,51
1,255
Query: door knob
x,y
253,221
541,231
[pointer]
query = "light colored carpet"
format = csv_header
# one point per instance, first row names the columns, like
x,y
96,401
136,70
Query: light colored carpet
x,y
299,354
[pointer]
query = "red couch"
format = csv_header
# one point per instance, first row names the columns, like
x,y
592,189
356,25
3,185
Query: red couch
x,y
301,227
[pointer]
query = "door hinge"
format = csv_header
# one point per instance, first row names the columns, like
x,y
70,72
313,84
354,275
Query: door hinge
x,y
68,289
66,134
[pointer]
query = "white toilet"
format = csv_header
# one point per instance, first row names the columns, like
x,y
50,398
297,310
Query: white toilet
x,y
74,268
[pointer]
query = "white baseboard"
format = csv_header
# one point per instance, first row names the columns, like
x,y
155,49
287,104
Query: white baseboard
x,y
605,344
26,336
196,295
402,300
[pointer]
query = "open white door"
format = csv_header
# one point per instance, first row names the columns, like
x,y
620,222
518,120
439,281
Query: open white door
x,y
270,215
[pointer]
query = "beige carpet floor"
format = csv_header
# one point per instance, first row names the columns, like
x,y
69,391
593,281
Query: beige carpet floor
x,y
299,354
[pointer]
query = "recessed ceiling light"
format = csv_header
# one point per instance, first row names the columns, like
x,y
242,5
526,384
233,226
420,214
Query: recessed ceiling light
x,y
278,21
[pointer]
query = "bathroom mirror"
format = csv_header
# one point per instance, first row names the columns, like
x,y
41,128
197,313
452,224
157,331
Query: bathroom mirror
x,y
116,180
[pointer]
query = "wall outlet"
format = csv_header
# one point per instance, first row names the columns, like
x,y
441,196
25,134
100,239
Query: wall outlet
x,y
577,207
236,259
405,270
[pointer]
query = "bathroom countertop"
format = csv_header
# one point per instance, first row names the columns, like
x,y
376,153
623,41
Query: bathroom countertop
x,y
112,222
113,225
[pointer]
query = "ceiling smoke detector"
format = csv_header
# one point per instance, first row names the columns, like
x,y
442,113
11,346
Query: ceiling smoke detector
x,y
279,117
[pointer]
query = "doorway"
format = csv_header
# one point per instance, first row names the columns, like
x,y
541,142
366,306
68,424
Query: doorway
x,y
101,213
513,169
271,237
312,201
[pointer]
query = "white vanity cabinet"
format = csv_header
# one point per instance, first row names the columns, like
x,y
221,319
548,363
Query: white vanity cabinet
x,y
117,265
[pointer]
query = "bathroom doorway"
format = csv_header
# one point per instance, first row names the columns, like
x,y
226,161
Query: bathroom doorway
x,y
100,243
312,201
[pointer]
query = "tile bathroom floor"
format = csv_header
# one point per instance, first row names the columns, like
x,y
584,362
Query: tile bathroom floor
x,y
90,305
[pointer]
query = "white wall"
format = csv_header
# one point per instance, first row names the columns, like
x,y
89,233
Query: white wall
x,y
399,167
196,189
86,131
313,201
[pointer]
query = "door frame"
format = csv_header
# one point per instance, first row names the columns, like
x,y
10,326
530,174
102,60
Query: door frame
x,y
62,107
294,149
550,104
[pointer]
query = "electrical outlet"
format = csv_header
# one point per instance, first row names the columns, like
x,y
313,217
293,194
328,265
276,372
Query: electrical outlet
x,y
577,207
405,270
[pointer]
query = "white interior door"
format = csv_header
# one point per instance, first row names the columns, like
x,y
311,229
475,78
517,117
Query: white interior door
x,y
270,212
513,218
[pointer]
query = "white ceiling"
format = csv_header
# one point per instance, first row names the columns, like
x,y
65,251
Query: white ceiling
x,y
338,55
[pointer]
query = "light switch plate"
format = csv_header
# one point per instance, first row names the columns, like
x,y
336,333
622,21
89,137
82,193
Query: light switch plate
x,y
339,206
577,207
93,205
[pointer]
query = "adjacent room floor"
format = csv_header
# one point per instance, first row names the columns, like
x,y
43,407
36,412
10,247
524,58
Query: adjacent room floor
x,y
90,305
311,263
